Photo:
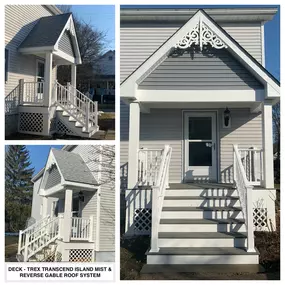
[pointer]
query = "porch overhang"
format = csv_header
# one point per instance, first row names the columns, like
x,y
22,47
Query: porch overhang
x,y
130,86
55,35
65,171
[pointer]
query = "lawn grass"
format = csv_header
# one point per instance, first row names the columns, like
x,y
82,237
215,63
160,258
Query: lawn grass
x,y
11,247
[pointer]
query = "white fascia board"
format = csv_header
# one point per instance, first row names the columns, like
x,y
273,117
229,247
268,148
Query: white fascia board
x,y
65,56
242,56
51,191
128,87
70,27
150,96
80,185
32,50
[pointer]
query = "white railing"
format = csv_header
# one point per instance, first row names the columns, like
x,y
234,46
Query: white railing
x,y
81,228
148,166
252,161
158,193
245,194
12,101
38,236
33,93
77,105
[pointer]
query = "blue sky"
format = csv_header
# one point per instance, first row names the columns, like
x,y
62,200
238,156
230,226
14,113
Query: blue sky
x,y
271,31
101,17
39,154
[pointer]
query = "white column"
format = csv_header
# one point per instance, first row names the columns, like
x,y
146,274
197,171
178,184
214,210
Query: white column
x,y
268,168
48,80
73,75
45,207
67,215
134,142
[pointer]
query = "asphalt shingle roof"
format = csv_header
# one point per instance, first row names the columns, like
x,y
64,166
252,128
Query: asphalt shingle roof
x,y
46,31
72,167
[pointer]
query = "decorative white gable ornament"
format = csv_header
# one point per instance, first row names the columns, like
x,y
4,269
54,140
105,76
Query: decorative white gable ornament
x,y
201,35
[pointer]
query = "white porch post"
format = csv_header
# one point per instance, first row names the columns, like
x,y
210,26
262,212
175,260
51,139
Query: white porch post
x,y
48,80
268,168
134,142
67,215
73,75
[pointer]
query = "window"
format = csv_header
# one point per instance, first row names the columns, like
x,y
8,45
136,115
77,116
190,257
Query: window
x,y
6,64
110,57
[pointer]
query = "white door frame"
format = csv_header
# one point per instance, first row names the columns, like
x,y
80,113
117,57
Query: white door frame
x,y
40,95
215,152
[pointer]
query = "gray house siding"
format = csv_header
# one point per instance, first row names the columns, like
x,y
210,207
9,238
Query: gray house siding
x,y
164,126
192,70
53,178
19,21
65,44
138,42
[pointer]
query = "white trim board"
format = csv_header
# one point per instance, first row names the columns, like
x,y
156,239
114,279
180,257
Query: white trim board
x,y
130,85
145,96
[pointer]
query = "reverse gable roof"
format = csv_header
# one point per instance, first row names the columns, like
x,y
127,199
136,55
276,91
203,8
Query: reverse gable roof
x,y
46,32
72,167
129,85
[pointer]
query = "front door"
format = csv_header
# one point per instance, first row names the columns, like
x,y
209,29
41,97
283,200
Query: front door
x,y
40,75
200,146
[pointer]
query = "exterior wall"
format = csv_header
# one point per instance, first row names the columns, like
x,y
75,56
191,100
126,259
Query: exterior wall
x,y
138,42
105,66
102,256
53,178
20,66
164,126
195,70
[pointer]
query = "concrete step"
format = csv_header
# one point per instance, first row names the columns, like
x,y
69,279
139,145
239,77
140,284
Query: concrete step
x,y
201,213
202,255
203,239
201,192
200,202
202,225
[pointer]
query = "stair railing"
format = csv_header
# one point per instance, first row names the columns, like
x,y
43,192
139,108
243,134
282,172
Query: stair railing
x,y
38,236
77,105
12,101
245,194
158,193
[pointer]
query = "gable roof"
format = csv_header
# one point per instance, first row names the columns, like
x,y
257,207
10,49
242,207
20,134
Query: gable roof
x,y
162,52
46,31
72,167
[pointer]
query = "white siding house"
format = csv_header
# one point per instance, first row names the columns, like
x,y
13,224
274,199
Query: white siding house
x,y
39,41
73,208
196,132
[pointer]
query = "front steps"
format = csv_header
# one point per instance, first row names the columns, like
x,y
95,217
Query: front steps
x,y
75,127
202,225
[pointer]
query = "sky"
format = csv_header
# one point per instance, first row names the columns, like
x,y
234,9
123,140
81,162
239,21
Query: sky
x,y
101,17
39,154
271,32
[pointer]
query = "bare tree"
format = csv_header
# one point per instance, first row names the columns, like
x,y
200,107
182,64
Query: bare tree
x,y
91,42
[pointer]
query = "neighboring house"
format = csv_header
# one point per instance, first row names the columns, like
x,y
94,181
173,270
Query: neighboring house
x,y
41,39
73,207
105,75
196,132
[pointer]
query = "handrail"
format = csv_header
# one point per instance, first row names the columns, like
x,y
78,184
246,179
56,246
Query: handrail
x,y
12,101
77,105
158,194
245,194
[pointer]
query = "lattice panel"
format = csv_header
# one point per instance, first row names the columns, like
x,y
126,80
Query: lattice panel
x,y
62,129
80,255
31,122
260,219
142,221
